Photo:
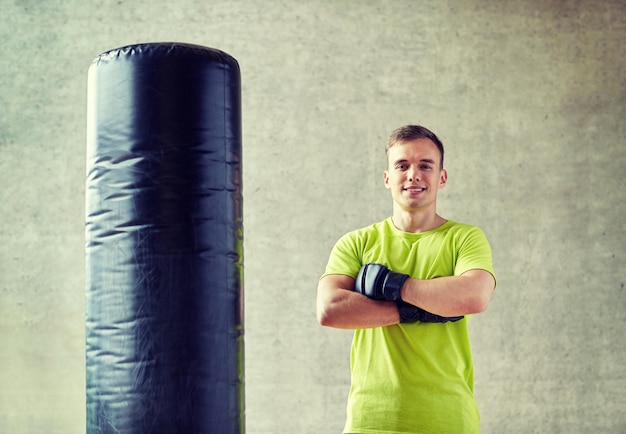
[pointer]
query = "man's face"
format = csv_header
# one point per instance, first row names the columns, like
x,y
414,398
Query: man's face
x,y
414,174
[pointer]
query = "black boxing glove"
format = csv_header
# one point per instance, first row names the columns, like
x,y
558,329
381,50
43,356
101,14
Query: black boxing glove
x,y
410,313
378,282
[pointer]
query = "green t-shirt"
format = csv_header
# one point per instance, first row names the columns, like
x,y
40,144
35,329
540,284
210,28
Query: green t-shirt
x,y
418,377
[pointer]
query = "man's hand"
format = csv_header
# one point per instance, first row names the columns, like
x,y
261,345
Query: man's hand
x,y
379,283
410,313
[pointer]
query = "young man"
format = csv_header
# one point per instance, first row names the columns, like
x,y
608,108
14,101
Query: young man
x,y
405,286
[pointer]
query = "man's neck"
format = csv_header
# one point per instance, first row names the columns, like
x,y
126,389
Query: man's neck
x,y
416,222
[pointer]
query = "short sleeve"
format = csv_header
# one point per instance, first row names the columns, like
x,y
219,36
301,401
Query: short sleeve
x,y
474,253
344,257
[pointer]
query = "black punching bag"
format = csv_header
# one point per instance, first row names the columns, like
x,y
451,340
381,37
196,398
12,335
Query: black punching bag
x,y
164,290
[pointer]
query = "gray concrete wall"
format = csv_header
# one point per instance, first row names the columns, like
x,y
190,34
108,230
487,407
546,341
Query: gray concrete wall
x,y
529,98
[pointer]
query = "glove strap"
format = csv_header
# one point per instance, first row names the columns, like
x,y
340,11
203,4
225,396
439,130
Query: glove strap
x,y
393,285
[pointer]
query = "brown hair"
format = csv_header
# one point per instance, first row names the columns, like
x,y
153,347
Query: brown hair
x,y
408,133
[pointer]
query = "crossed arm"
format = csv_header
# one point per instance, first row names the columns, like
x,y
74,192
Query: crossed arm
x,y
338,306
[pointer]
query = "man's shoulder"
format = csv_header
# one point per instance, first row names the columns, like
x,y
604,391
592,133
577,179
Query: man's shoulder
x,y
460,227
373,228
464,233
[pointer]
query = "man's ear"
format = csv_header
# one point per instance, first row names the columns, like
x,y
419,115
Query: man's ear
x,y
386,178
443,178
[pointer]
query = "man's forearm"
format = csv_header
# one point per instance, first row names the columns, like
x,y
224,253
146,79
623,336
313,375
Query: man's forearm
x,y
340,307
452,295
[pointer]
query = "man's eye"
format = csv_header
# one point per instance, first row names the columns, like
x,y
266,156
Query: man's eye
x,y
426,167
401,167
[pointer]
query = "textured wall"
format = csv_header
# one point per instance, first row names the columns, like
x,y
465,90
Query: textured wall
x,y
529,98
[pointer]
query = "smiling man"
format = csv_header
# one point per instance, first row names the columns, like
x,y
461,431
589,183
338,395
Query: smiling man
x,y
406,286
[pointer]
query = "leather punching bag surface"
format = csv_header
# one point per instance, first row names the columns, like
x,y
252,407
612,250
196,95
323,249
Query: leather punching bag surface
x,y
164,292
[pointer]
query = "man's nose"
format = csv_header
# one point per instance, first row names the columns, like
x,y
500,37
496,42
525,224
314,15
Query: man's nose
x,y
414,174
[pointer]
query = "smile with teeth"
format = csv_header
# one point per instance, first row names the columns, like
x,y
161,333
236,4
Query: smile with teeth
x,y
415,189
